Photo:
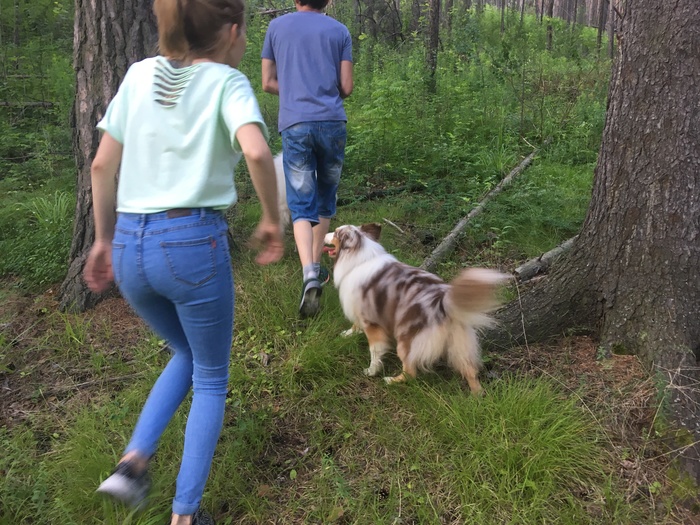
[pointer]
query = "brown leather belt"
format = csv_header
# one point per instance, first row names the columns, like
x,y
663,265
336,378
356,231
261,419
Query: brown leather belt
x,y
181,212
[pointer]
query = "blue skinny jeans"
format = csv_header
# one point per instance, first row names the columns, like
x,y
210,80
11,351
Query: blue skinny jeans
x,y
176,274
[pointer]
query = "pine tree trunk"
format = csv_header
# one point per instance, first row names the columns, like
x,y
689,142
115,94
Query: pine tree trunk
x,y
550,28
107,40
433,42
632,278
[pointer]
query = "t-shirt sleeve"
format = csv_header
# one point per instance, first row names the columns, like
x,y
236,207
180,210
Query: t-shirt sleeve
x,y
239,107
346,53
114,120
267,51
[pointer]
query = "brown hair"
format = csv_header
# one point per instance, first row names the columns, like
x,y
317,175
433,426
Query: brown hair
x,y
319,5
191,27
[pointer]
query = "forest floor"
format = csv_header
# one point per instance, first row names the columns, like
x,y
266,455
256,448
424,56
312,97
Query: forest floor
x,y
617,391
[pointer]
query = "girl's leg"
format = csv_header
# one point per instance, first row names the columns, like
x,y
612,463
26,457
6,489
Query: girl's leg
x,y
172,385
209,329
192,268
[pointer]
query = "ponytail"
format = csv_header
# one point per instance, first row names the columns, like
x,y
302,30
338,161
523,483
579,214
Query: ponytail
x,y
171,37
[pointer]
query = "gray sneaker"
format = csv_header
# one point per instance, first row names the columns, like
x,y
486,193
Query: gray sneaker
x,y
310,296
127,485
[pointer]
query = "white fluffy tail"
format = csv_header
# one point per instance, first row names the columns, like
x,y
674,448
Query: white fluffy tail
x,y
472,295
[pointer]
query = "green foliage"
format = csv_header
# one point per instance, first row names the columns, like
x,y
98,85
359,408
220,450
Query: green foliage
x,y
36,236
308,438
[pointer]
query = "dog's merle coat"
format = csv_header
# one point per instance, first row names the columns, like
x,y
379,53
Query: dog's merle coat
x,y
397,304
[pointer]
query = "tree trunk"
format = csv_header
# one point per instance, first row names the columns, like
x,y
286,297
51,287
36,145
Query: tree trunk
x,y
632,278
522,12
107,40
433,42
550,28
503,16
611,28
449,6
601,23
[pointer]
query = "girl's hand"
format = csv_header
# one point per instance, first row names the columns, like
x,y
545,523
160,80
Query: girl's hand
x,y
98,272
268,238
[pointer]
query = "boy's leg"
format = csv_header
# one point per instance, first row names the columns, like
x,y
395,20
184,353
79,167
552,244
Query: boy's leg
x,y
300,174
331,155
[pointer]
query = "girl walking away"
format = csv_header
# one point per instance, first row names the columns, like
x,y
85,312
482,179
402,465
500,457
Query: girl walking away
x,y
176,129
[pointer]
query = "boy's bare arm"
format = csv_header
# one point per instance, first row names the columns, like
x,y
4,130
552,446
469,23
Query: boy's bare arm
x,y
269,77
346,82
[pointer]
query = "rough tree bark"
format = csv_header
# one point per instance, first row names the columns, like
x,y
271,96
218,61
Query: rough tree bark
x,y
632,278
108,37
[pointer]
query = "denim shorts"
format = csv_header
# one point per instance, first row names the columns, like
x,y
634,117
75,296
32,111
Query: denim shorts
x,y
313,155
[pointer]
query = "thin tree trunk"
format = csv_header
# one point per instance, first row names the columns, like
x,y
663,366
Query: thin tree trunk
x,y
601,24
550,28
611,28
503,16
433,42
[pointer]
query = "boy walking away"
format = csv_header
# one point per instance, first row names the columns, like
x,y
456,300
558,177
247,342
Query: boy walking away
x,y
307,62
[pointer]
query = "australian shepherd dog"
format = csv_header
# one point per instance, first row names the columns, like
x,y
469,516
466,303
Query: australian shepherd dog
x,y
399,305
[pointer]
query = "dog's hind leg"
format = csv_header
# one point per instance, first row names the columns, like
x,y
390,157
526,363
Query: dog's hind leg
x,y
463,356
379,345
403,349
350,331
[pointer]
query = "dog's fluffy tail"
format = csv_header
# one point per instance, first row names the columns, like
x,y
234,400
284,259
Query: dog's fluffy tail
x,y
472,295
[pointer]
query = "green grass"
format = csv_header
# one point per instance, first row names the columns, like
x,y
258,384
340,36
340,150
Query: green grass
x,y
308,439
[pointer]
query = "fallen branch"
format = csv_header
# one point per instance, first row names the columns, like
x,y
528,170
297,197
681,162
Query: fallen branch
x,y
448,243
394,225
380,193
85,384
275,11
541,264
41,104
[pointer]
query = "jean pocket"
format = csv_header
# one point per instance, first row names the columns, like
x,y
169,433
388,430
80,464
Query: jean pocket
x,y
117,257
191,262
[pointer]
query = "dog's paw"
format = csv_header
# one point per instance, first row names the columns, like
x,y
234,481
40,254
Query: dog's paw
x,y
372,370
349,332
395,379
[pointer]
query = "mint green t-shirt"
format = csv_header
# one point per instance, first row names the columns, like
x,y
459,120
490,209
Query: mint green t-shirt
x,y
178,129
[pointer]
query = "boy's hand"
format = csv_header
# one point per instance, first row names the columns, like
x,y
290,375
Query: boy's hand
x,y
268,238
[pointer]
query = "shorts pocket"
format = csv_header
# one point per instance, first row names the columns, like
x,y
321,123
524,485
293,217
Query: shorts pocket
x,y
117,258
191,262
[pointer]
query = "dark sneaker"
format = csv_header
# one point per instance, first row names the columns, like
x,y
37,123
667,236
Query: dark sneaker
x,y
324,275
202,518
310,294
126,485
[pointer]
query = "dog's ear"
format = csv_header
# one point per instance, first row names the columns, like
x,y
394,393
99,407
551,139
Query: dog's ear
x,y
373,230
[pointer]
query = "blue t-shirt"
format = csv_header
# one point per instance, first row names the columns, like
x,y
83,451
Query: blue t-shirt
x,y
307,48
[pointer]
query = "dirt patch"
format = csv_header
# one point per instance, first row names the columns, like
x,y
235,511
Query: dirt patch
x,y
50,361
